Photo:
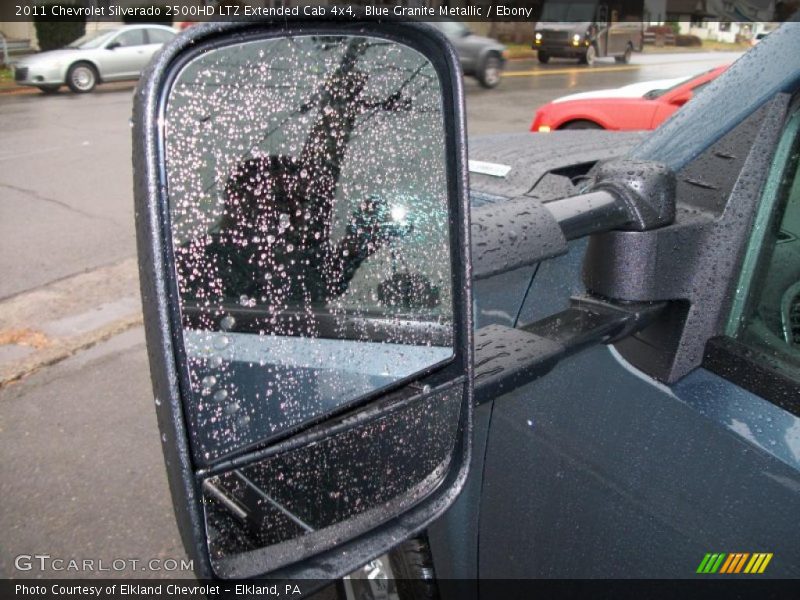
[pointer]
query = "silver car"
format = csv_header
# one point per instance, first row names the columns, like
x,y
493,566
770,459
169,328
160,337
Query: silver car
x,y
97,57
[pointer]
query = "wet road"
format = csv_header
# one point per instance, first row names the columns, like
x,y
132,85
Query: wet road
x,y
527,85
82,475
65,167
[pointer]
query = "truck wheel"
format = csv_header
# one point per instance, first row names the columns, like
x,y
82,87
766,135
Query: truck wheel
x,y
625,58
412,567
492,72
82,77
590,56
543,57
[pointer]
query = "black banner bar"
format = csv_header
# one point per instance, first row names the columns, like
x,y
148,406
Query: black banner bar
x,y
613,11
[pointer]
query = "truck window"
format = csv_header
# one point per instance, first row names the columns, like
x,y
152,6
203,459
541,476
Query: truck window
x,y
771,315
761,349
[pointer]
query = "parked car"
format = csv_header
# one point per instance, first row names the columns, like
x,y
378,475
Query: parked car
x,y
634,107
481,57
98,57
580,359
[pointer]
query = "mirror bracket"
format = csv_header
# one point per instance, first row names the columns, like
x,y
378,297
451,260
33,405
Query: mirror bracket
x,y
625,194
645,188
693,262
508,358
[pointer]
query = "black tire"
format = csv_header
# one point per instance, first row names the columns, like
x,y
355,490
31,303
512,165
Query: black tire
x,y
491,71
543,57
48,89
82,77
625,58
581,124
589,57
412,567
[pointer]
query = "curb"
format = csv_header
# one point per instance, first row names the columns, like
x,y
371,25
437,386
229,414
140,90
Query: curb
x,y
16,90
61,318
64,349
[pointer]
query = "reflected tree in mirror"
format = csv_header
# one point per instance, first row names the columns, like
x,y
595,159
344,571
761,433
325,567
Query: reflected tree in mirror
x,y
308,202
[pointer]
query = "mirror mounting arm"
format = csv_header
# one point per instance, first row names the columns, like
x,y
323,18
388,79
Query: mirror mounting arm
x,y
646,189
624,195
508,358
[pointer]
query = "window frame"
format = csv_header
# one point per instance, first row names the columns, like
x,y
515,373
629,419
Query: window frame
x,y
746,365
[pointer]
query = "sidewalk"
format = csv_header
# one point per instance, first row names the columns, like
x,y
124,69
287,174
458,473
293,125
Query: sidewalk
x,y
46,325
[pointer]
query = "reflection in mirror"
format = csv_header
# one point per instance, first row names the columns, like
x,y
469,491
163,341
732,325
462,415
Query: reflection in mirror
x,y
308,202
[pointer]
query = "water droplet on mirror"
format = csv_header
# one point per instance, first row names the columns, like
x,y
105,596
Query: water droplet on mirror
x,y
220,395
222,342
227,323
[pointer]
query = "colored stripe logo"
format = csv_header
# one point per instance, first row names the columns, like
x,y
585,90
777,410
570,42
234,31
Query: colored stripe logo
x,y
733,563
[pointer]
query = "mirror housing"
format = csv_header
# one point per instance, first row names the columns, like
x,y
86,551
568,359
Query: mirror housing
x,y
113,46
379,427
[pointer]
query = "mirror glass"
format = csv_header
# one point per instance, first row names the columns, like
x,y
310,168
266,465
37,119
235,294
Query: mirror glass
x,y
334,488
307,193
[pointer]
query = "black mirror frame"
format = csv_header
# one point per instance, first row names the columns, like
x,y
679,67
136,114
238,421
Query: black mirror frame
x,y
160,297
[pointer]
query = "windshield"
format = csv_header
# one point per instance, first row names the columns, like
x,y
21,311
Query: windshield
x,y
568,11
95,39
653,94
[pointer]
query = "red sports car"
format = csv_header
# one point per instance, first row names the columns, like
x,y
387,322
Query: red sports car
x,y
637,106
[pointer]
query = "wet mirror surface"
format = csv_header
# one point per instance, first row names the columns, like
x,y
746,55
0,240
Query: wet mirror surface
x,y
308,204
331,490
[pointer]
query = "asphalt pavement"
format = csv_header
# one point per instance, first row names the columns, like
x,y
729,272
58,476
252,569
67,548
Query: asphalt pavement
x,y
82,475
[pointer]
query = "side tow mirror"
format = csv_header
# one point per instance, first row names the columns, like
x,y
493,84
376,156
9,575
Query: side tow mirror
x,y
301,204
